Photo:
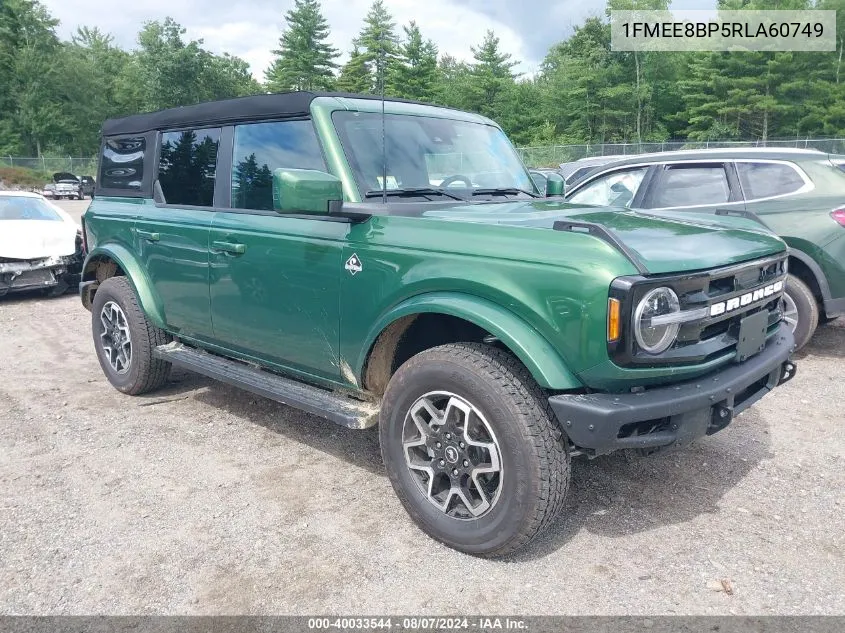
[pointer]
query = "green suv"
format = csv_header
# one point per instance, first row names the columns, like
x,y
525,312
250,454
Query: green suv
x,y
392,263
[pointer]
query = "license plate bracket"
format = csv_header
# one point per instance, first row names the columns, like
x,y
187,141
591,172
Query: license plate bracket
x,y
752,335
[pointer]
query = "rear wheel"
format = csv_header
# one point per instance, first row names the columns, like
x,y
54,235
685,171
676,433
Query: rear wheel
x,y
125,339
800,310
472,448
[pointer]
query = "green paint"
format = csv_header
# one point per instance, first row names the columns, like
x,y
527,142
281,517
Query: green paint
x,y
279,288
304,190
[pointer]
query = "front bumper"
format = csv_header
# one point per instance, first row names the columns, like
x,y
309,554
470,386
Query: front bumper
x,y
601,423
38,273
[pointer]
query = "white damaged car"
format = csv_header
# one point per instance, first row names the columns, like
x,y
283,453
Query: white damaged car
x,y
40,245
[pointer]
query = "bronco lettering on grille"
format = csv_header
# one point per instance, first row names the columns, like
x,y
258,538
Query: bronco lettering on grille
x,y
745,300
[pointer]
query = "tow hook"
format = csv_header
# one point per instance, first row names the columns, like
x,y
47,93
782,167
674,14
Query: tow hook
x,y
787,372
720,417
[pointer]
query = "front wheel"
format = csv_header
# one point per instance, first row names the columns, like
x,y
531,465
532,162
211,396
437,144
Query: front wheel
x,y
800,310
472,448
125,339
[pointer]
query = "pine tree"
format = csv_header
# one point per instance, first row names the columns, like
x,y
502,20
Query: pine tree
x,y
355,75
378,43
304,59
415,73
491,75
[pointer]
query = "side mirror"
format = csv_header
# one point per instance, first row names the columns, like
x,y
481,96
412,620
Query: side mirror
x,y
555,185
305,191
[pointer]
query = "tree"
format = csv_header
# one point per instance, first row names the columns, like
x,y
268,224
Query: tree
x,y
415,73
355,75
378,44
90,68
490,76
228,76
453,83
30,110
636,65
173,72
304,59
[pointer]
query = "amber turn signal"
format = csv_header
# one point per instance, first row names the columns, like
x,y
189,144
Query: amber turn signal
x,y
612,320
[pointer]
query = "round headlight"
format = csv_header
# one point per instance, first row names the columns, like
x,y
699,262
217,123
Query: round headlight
x,y
652,336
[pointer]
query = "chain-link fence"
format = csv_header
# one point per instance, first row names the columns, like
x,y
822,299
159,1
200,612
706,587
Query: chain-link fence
x,y
554,155
547,156
77,166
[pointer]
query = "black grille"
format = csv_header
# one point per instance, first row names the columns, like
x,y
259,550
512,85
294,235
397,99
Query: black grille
x,y
712,335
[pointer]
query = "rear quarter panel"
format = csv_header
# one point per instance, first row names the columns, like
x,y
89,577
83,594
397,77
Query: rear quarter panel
x,y
804,222
108,227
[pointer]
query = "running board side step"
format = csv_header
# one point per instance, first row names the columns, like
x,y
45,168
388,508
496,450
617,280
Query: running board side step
x,y
333,406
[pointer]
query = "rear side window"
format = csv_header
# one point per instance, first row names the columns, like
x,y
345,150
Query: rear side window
x,y
262,147
764,180
187,166
690,186
122,163
576,175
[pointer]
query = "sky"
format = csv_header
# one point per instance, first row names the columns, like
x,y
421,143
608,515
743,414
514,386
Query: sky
x,y
250,29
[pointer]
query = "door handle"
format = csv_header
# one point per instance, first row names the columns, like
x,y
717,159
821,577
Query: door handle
x,y
229,247
148,235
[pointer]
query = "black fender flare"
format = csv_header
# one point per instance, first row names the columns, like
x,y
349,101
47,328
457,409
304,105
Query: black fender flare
x,y
808,261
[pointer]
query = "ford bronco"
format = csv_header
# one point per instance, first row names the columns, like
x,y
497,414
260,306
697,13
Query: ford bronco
x,y
393,263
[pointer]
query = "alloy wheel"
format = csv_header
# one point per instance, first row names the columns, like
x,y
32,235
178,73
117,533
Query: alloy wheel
x,y
115,338
452,455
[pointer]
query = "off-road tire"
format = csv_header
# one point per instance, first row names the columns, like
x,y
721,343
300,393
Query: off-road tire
x,y
146,373
808,310
534,450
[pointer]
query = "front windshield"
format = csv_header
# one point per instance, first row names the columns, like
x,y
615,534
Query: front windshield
x,y
430,158
26,208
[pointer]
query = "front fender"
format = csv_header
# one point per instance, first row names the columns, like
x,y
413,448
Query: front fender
x,y
147,298
536,353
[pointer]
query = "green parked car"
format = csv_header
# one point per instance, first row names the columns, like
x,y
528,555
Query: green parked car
x,y
392,263
798,194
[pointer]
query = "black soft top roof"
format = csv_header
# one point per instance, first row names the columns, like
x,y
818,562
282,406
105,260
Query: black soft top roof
x,y
281,105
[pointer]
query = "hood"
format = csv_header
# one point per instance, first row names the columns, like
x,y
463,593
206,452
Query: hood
x,y
663,243
34,239
64,175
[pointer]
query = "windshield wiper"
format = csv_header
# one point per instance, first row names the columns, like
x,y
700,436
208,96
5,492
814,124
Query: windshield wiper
x,y
503,190
412,191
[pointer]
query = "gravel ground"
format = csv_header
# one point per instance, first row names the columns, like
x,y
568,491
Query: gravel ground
x,y
201,499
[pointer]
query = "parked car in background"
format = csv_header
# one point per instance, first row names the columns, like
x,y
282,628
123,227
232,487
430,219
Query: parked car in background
x,y
381,262
67,185
798,194
40,245
49,190
88,185
573,171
